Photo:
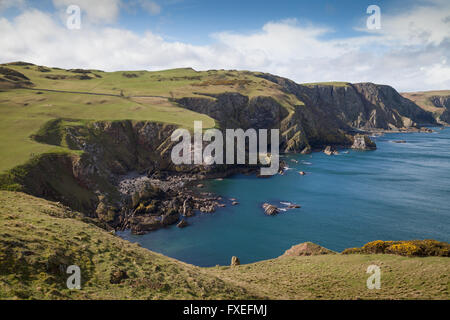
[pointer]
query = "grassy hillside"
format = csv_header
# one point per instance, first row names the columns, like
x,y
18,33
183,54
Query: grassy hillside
x,y
95,95
343,277
39,239
423,99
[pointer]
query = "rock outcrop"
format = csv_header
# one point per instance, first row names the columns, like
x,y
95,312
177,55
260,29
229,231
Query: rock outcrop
x,y
435,102
270,209
327,115
235,261
182,224
306,249
330,151
362,142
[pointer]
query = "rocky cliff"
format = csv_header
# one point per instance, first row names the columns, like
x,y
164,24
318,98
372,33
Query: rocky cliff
x,y
95,178
120,171
364,106
326,115
435,102
444,103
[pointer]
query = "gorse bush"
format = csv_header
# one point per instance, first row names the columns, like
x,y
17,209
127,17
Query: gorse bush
x,y
417,248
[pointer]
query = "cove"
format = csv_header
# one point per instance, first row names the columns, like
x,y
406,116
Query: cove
x,y
398,192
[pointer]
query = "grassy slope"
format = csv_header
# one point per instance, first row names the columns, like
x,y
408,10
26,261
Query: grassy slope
x,y
422,99
343,277
23,112
36,236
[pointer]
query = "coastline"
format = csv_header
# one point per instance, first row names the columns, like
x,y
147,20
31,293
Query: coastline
x,y
222,215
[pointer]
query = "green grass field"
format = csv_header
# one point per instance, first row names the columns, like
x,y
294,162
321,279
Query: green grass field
x,y
130,95
38,236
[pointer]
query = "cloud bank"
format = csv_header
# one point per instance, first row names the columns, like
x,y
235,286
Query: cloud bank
x,y
411,51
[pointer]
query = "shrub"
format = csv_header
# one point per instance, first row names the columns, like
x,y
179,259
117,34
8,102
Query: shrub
x,y
404,249
376,246
412,248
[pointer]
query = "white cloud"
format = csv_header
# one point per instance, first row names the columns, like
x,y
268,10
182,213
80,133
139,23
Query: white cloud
x,y
286,48
6,4
150,6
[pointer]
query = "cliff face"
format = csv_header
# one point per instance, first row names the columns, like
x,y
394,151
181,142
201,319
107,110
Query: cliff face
x,y
83,181
300,127
364,106
89,179
328,115
435,102
444,103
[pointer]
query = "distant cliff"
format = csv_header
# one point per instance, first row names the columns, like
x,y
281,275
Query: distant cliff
x,y
436,102
328,114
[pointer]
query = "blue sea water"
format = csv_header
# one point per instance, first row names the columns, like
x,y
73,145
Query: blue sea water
x,y
398,192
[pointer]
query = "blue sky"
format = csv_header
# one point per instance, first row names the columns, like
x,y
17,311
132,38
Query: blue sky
x,y
195,20
307,41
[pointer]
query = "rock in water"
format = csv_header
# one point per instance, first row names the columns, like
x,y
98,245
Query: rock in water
x,y
306,249
182,224
140,225
306,150
170,217
363,142
270,209
188,207
235,261
328,151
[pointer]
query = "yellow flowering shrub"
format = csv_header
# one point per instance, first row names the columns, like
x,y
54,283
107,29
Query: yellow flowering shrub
x,y
420,248
404,249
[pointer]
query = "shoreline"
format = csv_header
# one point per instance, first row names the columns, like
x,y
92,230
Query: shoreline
x,y
188,186
194,182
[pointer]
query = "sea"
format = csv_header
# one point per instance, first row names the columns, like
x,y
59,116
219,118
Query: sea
x,y
401,191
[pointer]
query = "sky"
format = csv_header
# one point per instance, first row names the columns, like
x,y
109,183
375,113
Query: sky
x,y
306,41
